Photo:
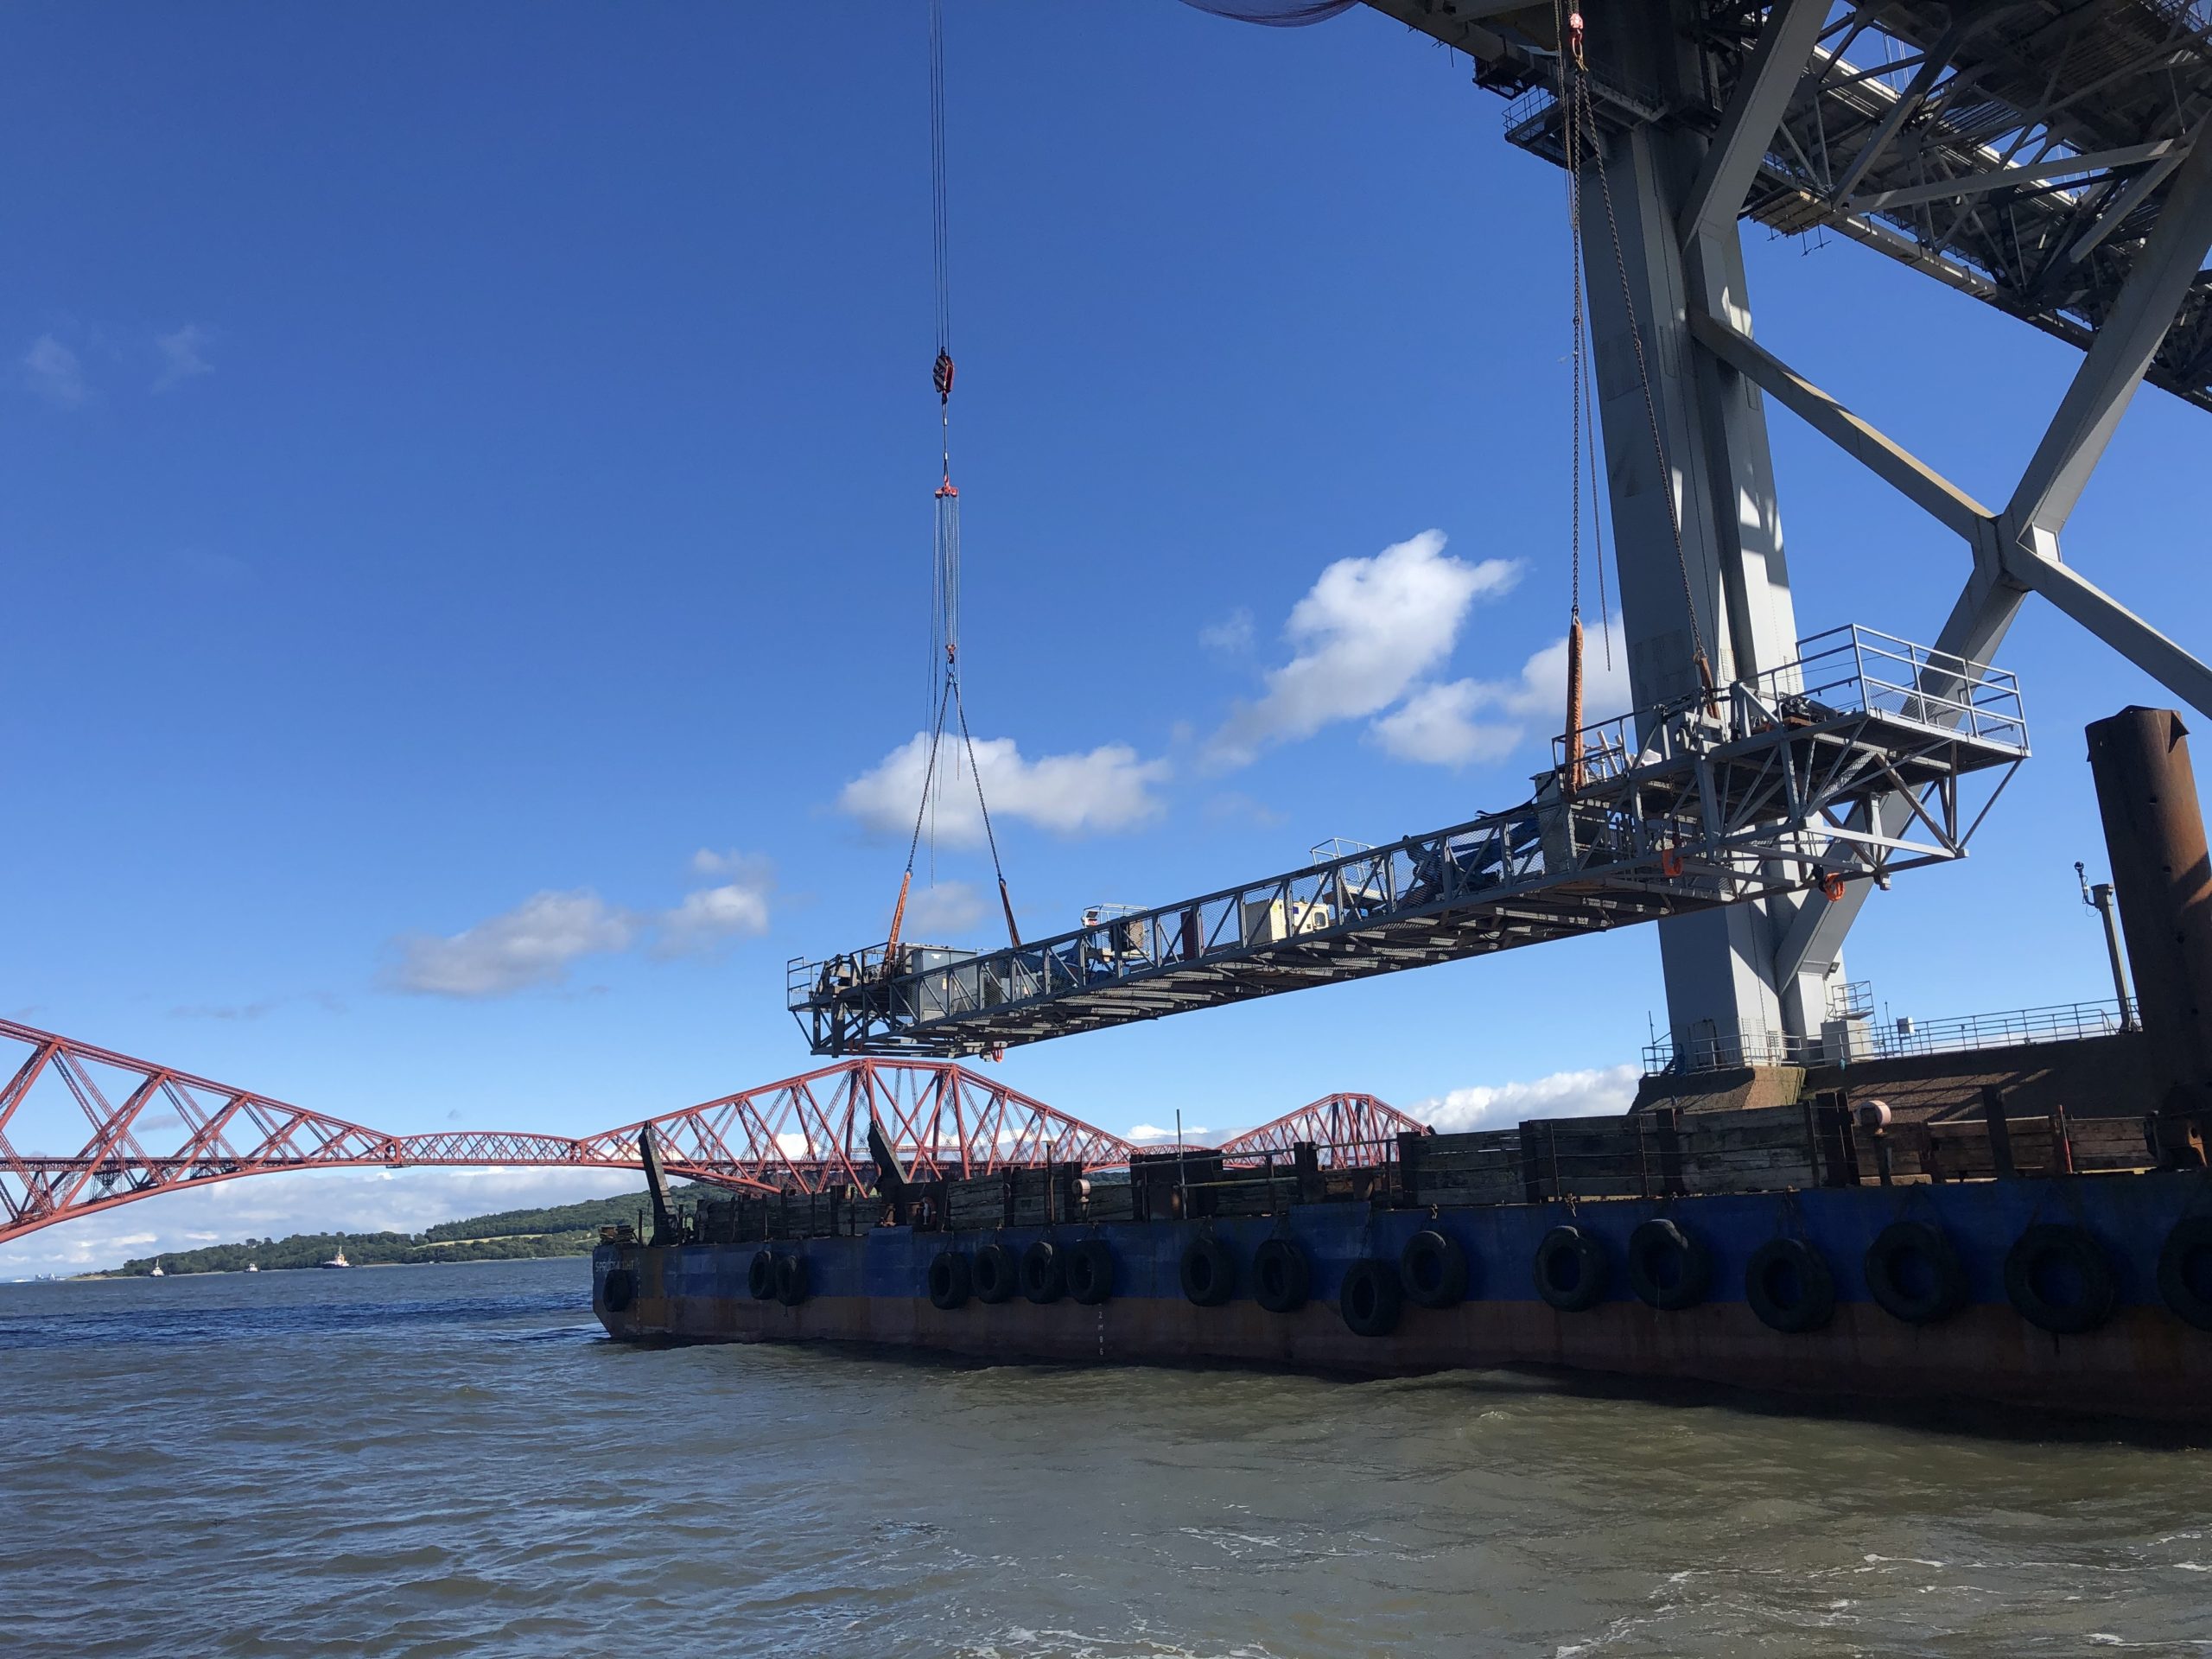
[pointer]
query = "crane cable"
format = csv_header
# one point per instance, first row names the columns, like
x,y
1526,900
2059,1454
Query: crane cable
x,y
944,598
1580,135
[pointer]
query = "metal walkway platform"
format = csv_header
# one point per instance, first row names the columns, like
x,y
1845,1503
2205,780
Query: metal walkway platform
x,y
1675,809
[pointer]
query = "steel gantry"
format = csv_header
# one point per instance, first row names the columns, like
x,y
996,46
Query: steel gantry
x,y
2046,157
1714,800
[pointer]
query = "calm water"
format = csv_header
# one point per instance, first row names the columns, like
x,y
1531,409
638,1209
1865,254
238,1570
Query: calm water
x,y
452,1460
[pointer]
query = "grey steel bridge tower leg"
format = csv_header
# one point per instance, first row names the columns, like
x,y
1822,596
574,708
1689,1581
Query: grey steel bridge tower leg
x,y
1673,196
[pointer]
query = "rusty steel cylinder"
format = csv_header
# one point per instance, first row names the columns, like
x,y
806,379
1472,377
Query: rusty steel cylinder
x,y
2161,872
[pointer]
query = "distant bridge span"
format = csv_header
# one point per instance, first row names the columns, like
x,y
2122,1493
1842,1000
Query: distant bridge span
x,y
154,1129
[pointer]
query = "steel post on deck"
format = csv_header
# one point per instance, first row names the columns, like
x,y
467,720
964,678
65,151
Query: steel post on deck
x,y
2154,834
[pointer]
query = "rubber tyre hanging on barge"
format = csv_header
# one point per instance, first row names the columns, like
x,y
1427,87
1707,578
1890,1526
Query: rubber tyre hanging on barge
x,y
792,1285
620,1289
1281,1277
1208,1272
760,1277
1789,1286
1371,1298
2184,1271
1433,1269
1044,1272
1570,1270
1915,1273
1667,1267
1090,1271
2059,1278
950,1282
995,1274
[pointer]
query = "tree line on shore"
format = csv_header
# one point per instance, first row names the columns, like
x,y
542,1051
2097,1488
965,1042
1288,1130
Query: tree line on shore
x,y
508,1235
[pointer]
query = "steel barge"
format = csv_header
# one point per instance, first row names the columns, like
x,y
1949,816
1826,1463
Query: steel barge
x,y
2028,1227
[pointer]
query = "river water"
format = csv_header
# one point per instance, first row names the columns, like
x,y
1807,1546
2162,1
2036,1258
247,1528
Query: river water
x,y
452,1460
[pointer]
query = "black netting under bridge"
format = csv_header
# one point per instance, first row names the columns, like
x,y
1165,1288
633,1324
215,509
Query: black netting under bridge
x,y
1275,14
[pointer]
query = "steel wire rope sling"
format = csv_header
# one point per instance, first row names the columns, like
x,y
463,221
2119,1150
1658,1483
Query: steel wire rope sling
x,y
1580,140
944,572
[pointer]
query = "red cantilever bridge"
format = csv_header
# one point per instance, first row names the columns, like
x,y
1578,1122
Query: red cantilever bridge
x,y
154,1129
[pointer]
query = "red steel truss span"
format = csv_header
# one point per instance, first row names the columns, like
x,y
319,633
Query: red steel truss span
x,y
1347,1128
151,1129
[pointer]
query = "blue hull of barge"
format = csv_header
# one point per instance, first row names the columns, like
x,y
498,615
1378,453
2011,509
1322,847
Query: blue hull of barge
x,y
2144,1362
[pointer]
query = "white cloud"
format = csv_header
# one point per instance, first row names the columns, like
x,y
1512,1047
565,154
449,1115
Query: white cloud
x,y
1437,724
53,370
1106,790
1153,1132
274,1206
1367,630
1233,806
183,356
943,911
732,909
1563,1094
531,944
1231,636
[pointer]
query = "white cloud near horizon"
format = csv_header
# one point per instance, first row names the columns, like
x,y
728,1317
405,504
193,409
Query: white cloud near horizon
x,y
536,944
1107,790
1367,630
55,373
1594,1093
1437,725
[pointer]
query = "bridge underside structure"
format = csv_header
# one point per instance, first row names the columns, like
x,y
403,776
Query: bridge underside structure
x,y
2049,158
1711,802
151,1129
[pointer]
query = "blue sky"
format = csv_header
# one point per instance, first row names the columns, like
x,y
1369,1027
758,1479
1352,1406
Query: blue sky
x,y
467,510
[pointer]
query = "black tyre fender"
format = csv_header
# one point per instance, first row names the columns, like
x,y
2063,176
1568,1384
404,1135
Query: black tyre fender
x,y
1044,1272
1281,1279
1371,1297
950,1280
1208,1272
619,1290
1913,1270
1570,1270
995,1274
1789,1286
2184,1271
1669,1268
760,1277
792,1285
1433,1269
2047,1249
1090,1271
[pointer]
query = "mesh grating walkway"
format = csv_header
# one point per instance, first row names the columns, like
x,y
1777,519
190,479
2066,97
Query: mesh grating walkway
x,y
1680,809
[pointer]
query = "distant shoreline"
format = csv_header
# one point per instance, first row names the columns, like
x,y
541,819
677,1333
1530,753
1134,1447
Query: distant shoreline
x,y
116,1275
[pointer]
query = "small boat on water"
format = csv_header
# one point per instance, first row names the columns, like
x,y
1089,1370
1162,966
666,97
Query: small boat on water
x,y
252,1268
337,1260
157,1272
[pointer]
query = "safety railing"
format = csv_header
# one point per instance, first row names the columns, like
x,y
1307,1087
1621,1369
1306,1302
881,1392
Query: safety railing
x,y
1847,672
1856,1042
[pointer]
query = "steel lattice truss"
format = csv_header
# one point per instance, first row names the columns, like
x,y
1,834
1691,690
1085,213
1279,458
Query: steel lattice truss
x,y
1680,809
150,1130
1345,1129
2018,150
